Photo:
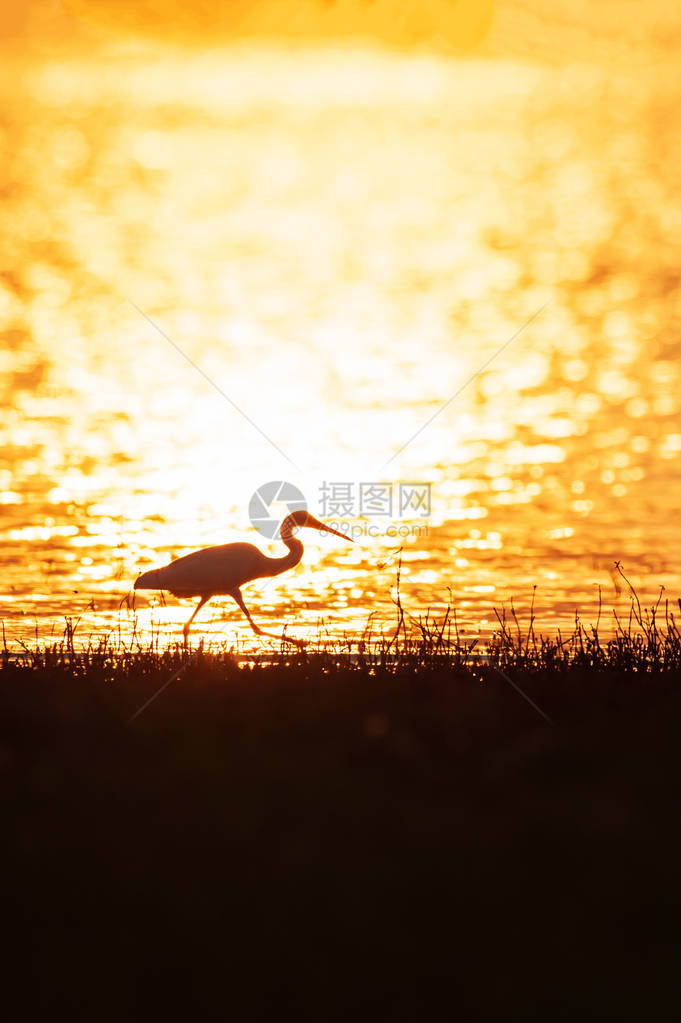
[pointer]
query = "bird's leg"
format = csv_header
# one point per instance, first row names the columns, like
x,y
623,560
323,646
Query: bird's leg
x,y
236,594
198,607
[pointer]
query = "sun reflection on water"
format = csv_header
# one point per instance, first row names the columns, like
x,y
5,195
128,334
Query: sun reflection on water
x,y
338,252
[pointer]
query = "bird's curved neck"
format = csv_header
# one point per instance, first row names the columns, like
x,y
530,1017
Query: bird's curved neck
x,y
295,548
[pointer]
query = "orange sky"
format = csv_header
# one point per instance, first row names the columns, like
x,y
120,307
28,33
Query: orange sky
x,y
460,23
565,29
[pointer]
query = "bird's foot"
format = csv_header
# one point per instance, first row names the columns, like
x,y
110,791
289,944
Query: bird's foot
x,y
283,638
300,643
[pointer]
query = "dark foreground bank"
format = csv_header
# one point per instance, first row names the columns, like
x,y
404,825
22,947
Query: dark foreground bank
x,y
334,839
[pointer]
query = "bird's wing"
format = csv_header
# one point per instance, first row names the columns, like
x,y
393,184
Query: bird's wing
x,y
213,570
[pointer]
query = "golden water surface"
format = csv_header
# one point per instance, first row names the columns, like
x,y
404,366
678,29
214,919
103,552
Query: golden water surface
x,y
328,244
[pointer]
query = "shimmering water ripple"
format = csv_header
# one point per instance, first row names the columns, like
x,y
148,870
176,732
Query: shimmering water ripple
x,y
339,242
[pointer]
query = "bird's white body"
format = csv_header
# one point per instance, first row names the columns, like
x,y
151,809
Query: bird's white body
x,y
222,570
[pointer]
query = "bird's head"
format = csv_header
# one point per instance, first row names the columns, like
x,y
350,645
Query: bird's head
x,y
301,519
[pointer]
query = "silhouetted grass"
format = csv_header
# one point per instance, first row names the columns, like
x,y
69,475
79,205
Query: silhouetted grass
x,y
374,828
647,641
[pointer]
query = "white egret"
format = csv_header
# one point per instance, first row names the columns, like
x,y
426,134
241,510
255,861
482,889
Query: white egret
x,y
218,571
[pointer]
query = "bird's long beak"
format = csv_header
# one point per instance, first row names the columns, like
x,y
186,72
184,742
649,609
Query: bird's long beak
x,y
322,527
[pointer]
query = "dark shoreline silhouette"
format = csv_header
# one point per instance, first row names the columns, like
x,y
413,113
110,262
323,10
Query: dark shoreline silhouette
x,y
332,839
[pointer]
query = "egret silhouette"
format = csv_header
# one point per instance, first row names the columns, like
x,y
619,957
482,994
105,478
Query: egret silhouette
x,y
221,571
